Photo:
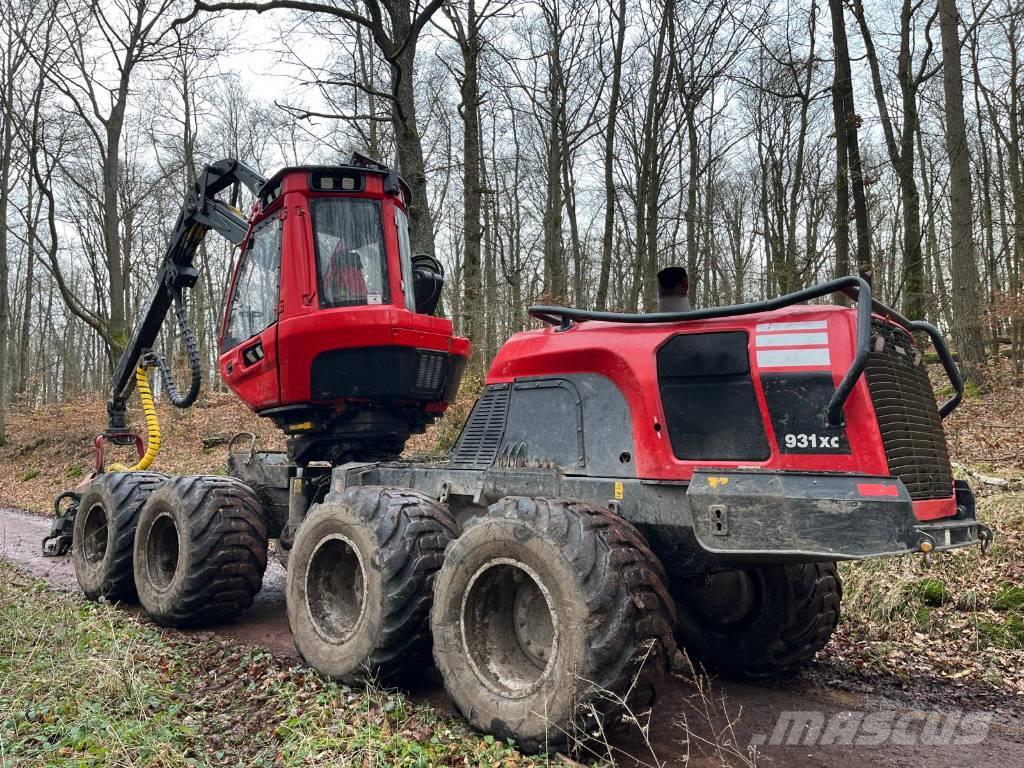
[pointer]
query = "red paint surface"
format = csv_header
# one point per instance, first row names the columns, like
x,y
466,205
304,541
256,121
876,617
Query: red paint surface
x,y
304,330
627,355
877,489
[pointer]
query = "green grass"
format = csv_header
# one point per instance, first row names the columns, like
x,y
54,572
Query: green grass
x,y
960,613
971,389
1008,634
932,592
85,684
31,474
72,688
1009,598
923,619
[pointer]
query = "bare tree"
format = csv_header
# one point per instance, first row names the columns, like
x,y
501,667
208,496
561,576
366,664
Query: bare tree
x,y
967,325
395,26
901,148
467,30
842,96
572,148
704,49
617,14
15,55
650,135
126,35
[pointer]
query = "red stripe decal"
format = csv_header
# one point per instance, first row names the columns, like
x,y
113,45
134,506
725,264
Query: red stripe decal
x,y
877,489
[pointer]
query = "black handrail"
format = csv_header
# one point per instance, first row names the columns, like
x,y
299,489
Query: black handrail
x,y
947,363
853,286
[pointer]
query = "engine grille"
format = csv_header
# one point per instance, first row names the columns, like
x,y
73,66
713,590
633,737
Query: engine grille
x,y
908,418
431,368
478,444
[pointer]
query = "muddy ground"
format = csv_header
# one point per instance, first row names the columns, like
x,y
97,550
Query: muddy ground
x,y
831,693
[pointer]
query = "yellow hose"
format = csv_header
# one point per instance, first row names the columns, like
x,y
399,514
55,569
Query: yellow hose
x,y
152,425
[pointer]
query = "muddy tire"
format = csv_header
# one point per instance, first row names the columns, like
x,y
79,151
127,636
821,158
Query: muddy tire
x,y
547,614
361,581
104,534
282,553
761,621
200,551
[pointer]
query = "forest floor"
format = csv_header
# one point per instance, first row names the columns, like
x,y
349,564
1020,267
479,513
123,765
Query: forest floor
x,y
944,638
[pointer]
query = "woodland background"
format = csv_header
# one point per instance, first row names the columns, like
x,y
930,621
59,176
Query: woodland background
x,y
558,150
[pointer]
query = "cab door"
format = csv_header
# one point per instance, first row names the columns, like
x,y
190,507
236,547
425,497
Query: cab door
x,y
249,360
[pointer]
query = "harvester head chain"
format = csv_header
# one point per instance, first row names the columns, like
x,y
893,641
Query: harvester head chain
x,y
58,542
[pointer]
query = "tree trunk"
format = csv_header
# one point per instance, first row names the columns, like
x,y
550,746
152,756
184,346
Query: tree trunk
x,y
1016,175
692,191
490,276
931,250
967,323
601,302
842,218
851,122
472,324
409,147
649,170
30,292
116,322
578,256
6,152
901,150
554,265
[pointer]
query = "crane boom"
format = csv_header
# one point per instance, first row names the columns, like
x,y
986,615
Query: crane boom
x,y
201,212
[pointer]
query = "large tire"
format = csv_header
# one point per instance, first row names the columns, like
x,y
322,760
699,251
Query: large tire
x,y
283,553
104,533
200,551
760,621
360,582
550,618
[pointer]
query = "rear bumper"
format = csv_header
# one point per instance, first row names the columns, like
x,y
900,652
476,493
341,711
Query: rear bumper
x,y
783,516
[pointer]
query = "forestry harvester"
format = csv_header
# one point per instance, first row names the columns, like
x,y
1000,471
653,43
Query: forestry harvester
x,y
624,482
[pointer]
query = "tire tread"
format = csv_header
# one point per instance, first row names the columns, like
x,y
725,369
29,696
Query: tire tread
x,y
123,494
627,602
413,531
228,540
800,611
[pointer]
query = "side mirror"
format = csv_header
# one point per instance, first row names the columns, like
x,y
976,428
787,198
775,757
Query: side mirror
x,y
427,282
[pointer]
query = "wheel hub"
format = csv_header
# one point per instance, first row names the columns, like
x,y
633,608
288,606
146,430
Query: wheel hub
x,y
509,627
94,541
725,597
162,552
335,589
534,629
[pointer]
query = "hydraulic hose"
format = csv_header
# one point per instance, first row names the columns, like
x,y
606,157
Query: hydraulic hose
x,y
192,349
152,425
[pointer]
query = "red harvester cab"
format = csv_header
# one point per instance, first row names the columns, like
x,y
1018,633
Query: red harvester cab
x,y
326,272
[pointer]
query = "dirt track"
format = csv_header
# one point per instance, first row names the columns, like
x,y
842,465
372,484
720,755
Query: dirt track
x,y
832,692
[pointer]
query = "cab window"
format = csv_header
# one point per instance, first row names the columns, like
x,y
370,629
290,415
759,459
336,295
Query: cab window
x,y
350,255
405,254
255,300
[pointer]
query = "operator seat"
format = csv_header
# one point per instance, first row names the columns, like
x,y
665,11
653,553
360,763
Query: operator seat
x,y
344,280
